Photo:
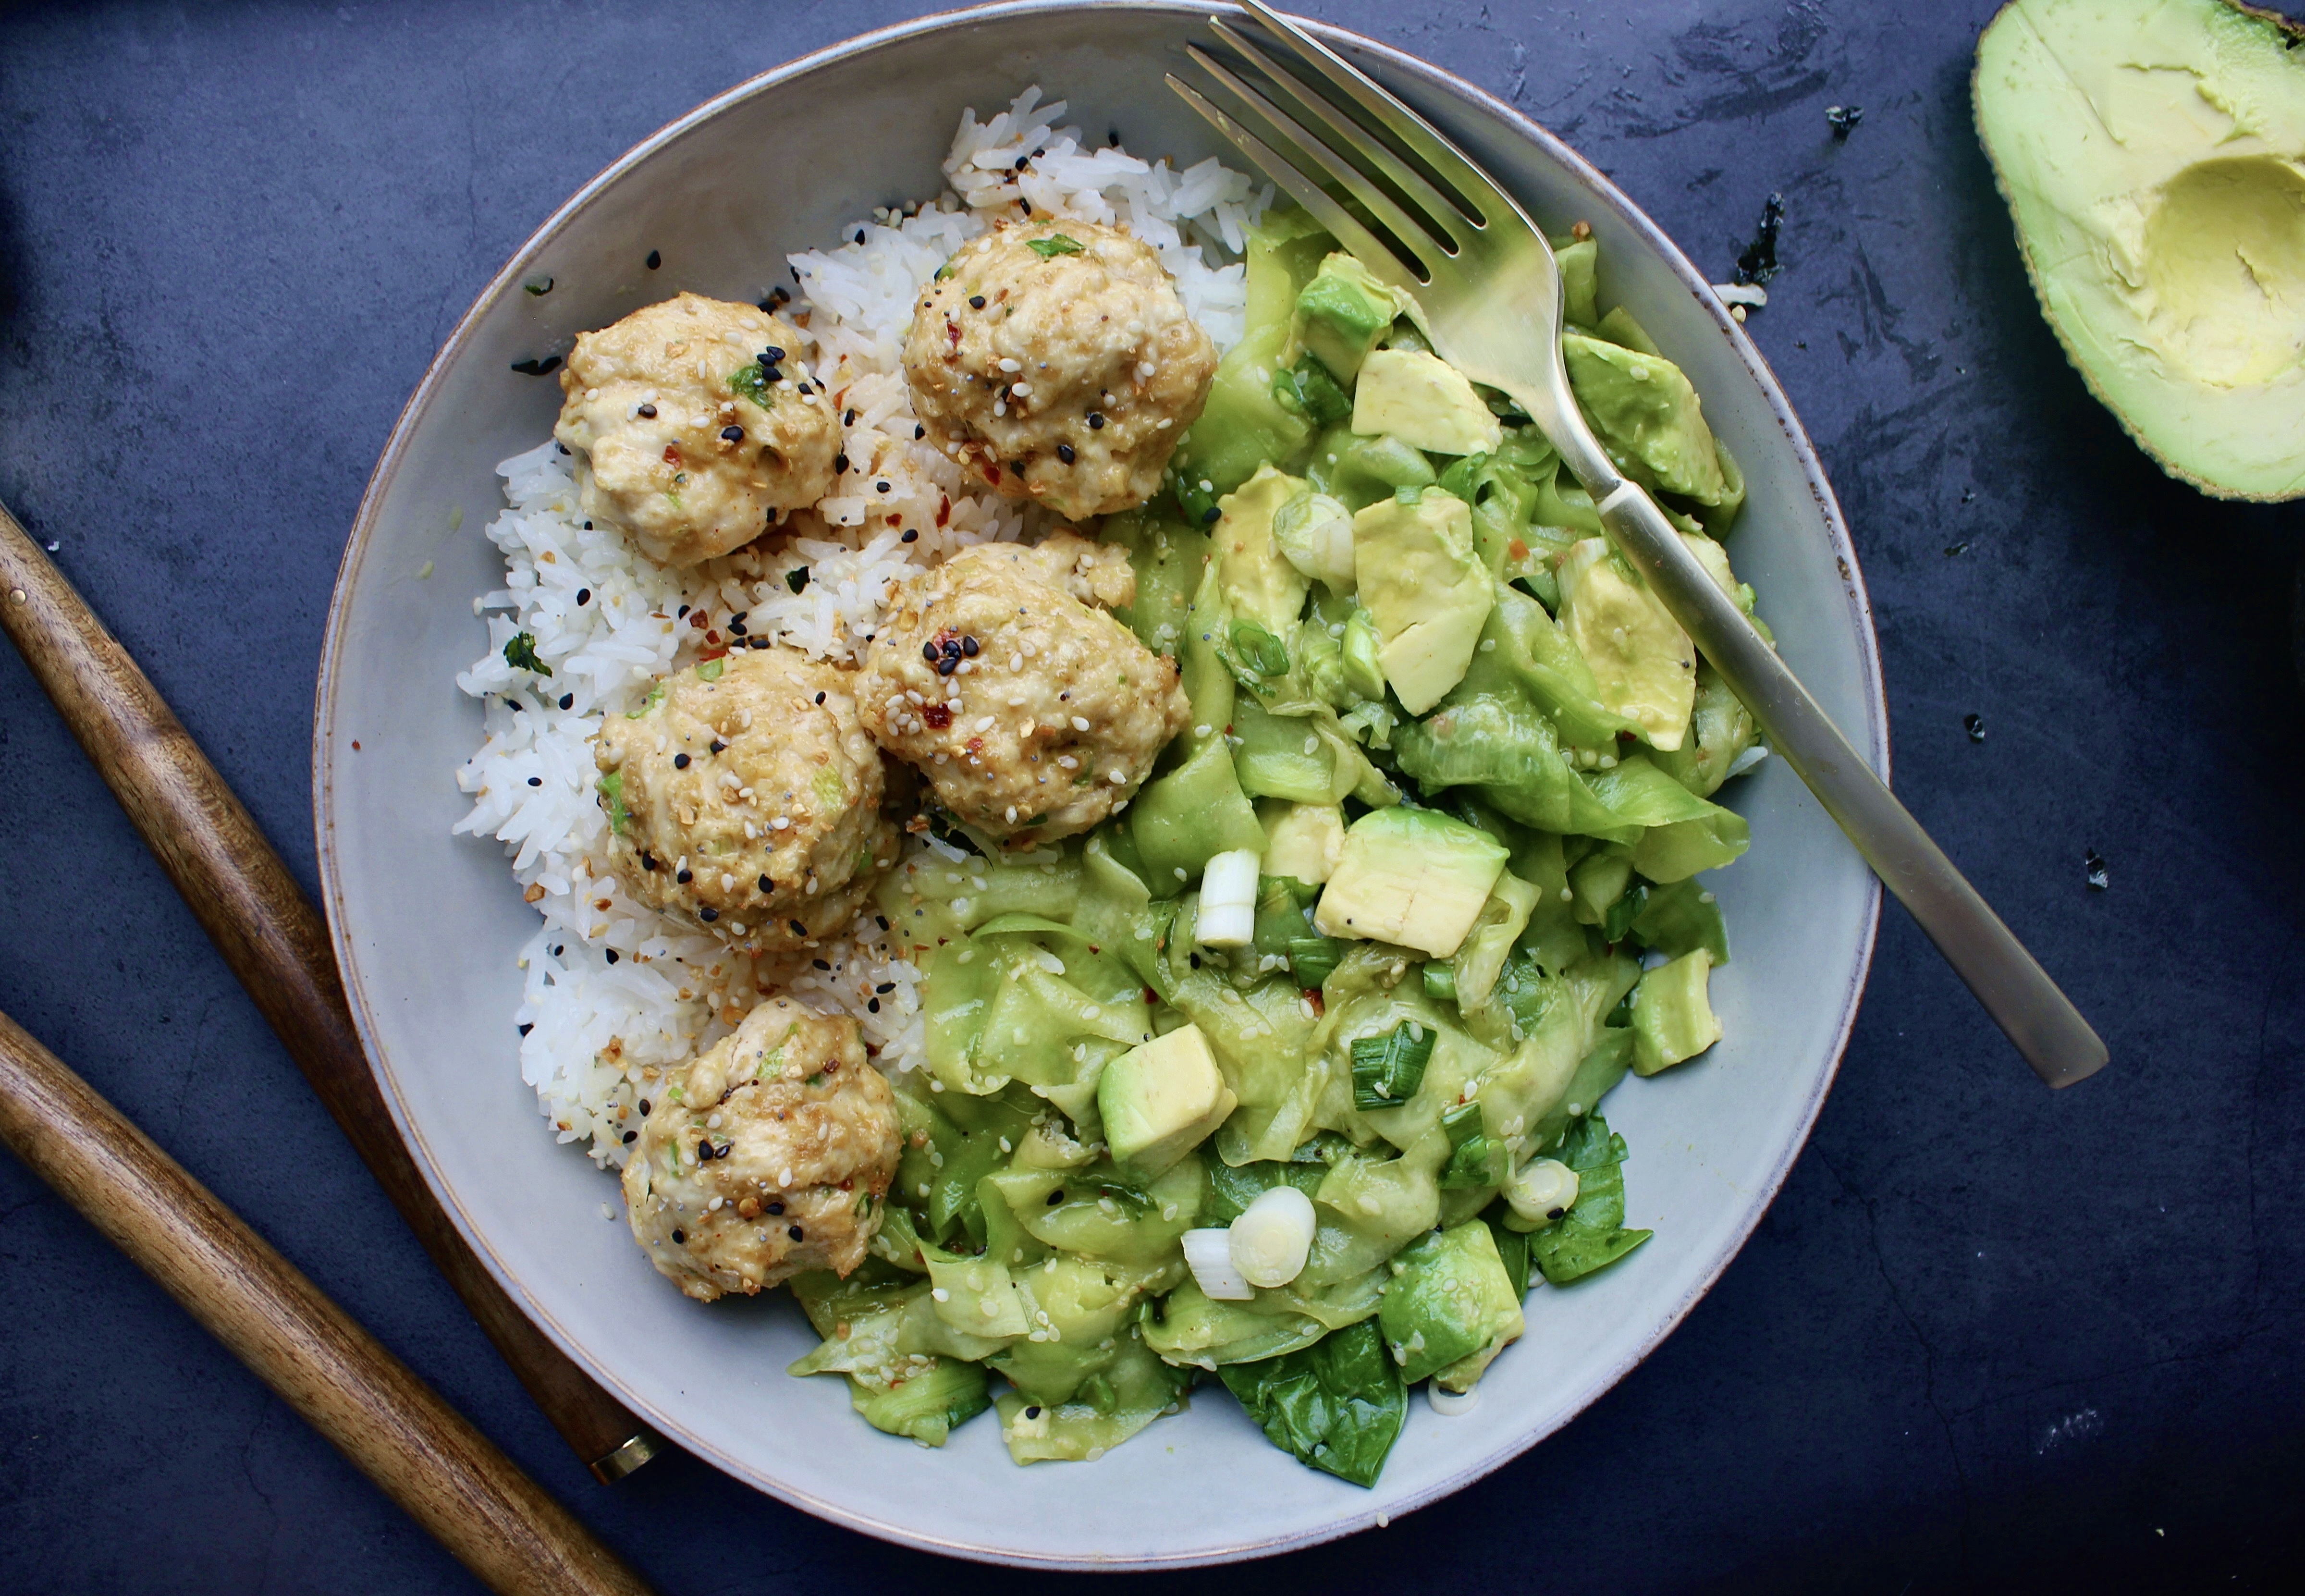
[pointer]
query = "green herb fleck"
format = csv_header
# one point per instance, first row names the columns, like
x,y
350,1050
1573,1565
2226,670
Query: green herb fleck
x,y
1266,654
796,578
1387,1070
1056,244
520,655
709,670
612,789
750,382
655,697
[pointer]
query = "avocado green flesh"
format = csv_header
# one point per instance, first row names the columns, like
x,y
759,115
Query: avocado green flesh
x,y
2153,158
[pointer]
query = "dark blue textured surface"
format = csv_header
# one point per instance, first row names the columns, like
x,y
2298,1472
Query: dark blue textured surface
x,y
1987,1335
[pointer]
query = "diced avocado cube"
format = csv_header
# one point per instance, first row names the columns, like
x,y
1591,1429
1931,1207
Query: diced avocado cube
x,y
1647,416
1672,1013
976,1296
1342,313
1413,877
1261,585
1160,1100
1643,663
1450,1299
1302,841
1423,400
1426,589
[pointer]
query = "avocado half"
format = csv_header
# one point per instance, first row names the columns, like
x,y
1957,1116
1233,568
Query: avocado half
x,y
2152,155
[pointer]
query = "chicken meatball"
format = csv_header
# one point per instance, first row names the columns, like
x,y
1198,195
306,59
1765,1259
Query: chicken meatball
x,y
1033,714
1057,362
769,1154
697,427
745,797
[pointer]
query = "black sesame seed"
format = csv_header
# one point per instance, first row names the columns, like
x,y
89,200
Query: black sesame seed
x,y
568,701
794,1231
928,652
798,929
718,746
686,877
951,645
775,1207
764,643
632,1136
946,666
976,302
736,625
1032,1413
873,1005
1209,516
919,432
968,646
880,487
882,921
655,259
840,464
1094,420
766,885
819,698
526,1029
773,356
562,447
681,612
679,1238
680,761
649,861
912,534
732,435
1027,204
820,964
886,987
1065,453
708,914
1024,161
536,781
583,597
648,412
1055,1196
645,1107
611,953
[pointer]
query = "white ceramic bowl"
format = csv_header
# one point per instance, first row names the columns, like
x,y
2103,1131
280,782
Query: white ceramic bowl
x,y
427,925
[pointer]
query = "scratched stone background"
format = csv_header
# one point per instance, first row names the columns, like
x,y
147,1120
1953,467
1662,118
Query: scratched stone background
x,y
1986,1337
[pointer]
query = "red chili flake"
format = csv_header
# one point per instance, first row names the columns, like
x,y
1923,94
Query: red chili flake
x,y
976,746
672,453
937,716
993,474
699,620
712,637
705,654
1313,997
944,509
832,1068
1517,549
1151,996
356,745
952,331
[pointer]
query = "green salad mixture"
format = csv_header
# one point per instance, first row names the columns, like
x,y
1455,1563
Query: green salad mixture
x,y
1291,1074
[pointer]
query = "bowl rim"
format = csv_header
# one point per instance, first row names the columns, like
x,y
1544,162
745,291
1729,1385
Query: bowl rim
x,y
1873,740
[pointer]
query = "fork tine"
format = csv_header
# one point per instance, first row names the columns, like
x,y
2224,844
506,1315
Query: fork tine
x,y
1480,194
1345,227
1409,229
1447,214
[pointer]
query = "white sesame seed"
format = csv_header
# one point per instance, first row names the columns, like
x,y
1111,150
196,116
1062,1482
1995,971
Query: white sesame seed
x,y
1068,762
1080,723
985,723
1009,365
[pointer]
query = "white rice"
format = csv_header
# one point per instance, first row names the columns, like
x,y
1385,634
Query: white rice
x,y
614,992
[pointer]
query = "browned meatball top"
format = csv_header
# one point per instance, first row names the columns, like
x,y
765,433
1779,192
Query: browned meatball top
x,y
694,431
1057,360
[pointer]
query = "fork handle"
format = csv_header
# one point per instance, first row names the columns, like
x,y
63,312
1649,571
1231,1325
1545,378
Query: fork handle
x,y
2019,996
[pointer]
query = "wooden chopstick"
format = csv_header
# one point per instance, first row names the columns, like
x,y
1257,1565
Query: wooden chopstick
x,y
421,1452
277,945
